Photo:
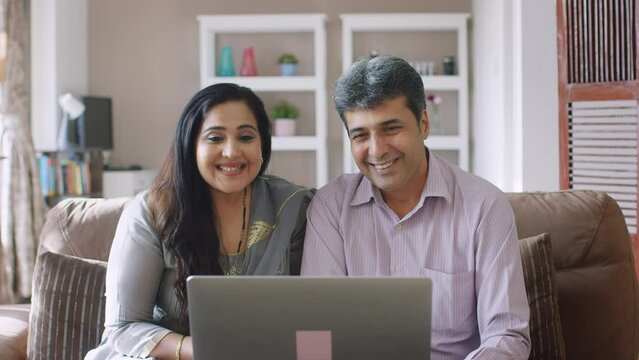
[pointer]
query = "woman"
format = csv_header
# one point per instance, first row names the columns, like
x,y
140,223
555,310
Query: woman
x,y
209,211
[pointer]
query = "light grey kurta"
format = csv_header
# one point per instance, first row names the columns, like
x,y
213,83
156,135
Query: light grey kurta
x,y
141,305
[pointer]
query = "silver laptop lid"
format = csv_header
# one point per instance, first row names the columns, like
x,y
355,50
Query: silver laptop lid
x,y
309,318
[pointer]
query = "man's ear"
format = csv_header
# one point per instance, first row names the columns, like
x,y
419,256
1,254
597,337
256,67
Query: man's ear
x,y
424,125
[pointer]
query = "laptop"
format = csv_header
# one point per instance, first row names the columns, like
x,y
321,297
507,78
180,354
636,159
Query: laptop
x,y
309,318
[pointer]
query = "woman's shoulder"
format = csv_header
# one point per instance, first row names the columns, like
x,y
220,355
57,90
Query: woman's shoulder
x,y
137,209
278,191
277,185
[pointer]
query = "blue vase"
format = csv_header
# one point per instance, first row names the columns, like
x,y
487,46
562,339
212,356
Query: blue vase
x,y
226,66
288,69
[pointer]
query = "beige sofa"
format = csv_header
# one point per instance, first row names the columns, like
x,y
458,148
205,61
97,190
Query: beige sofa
x,y
594,273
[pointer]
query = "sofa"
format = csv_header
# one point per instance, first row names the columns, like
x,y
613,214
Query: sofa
x,y
590,305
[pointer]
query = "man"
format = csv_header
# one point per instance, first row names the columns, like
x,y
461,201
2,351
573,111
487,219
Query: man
x,y
410,213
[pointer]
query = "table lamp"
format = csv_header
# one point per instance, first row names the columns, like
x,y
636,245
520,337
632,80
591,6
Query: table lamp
x,y
72,108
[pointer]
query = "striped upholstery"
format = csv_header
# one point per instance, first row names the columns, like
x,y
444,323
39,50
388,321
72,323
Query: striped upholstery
x,y
67,313
539,275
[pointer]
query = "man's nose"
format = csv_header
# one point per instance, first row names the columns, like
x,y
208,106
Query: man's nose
x,y
377,147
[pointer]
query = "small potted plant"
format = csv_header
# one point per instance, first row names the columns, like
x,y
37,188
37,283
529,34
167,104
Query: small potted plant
x,y
288,64
284,118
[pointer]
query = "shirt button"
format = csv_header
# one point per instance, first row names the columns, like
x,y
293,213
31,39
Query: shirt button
x,y
398,227
399,268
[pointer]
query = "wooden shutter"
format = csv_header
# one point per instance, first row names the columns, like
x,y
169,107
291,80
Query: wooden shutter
x,y
598,98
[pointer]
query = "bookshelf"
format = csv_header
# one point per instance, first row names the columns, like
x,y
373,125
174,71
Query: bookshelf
x,y
213,26
425,27
70,173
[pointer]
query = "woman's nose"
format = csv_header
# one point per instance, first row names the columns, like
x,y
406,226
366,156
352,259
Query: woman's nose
x,y
231,149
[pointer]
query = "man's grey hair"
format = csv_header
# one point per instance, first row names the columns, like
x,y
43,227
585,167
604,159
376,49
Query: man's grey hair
x,y
372,81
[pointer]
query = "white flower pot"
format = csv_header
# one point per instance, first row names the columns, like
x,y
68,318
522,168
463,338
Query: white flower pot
x,y
285,127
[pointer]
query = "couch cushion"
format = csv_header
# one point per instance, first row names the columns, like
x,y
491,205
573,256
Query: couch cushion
x,y
67,310
539,275
14,323
82,227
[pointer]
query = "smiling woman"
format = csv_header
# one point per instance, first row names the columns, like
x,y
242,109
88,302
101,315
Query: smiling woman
x,y
229,148
210,211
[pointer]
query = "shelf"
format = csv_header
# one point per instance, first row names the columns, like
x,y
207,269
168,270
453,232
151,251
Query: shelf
x,y
442,82
389,21
295,143
268,83
434,22
211,26
261,23
444,142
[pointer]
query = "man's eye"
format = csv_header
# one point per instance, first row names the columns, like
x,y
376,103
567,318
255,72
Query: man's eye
x,y
392,129
215,139
358,136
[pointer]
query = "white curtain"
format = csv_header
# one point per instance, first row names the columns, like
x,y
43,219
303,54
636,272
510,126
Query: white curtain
x,y
22,205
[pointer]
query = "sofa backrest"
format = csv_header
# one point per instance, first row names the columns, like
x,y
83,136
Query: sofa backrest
x,y
595,272
82,227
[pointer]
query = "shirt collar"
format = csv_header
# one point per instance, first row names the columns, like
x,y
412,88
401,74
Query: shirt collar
x,y
436,185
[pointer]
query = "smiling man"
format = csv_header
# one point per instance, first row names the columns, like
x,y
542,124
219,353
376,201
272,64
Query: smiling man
x,y
409,213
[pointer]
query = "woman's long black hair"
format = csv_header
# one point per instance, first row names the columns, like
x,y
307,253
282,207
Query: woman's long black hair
x,y
180,200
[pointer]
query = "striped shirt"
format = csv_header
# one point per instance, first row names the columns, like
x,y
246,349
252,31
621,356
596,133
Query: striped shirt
x,y
461,235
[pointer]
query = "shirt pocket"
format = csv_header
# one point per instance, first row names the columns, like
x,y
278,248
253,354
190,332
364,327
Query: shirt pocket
x,y
453,301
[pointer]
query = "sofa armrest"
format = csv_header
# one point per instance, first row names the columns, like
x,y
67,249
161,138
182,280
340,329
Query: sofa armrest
x,y
14,326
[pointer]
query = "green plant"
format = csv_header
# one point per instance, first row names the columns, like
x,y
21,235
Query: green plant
x,y
287,58
285,110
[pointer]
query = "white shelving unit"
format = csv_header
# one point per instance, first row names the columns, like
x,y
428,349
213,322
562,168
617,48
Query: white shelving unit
x,y
353,23
212,25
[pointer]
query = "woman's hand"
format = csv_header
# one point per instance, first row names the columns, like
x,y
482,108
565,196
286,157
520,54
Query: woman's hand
x,y
187,349
167,347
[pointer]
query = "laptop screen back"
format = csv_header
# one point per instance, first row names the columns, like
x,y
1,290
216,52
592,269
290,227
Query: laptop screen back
x,y
307,318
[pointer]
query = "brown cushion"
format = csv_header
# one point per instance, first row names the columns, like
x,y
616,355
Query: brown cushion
x,y
539,275
595,270
14,323
82,227
67,308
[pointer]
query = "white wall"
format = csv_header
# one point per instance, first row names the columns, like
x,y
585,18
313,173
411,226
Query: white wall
x,y
491,121
515,121
59,63
540,105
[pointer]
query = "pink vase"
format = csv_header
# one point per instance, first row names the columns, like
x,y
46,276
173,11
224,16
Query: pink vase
x,y
248,63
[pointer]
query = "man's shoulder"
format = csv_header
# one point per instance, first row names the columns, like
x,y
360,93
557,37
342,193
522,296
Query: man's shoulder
x,y
470,185
343,186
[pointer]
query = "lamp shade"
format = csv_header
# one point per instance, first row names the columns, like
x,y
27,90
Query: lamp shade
x,y
71,106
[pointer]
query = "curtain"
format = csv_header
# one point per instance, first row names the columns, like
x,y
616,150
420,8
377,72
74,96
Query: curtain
x,y
22,205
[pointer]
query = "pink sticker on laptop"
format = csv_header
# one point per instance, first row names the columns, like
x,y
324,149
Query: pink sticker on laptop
x,y
314,345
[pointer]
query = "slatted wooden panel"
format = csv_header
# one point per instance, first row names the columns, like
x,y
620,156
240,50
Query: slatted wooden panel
x,y
598,95
603,151
601,41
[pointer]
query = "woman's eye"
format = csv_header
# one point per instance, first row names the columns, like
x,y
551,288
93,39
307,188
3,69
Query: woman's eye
x,y
215,139
246,138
